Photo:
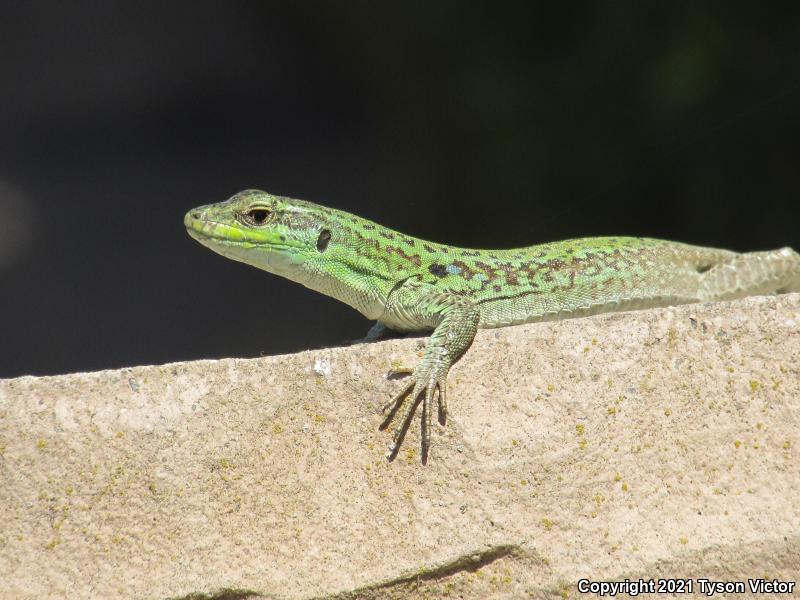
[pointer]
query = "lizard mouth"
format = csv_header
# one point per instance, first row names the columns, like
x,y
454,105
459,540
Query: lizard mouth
x,y
204,230
216,233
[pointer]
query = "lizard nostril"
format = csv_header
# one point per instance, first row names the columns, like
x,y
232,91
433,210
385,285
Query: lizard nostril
x,y
196,215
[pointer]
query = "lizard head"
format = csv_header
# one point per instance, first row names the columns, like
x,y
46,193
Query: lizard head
x,y
273,233
319,247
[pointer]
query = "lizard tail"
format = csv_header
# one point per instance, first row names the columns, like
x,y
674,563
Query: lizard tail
x,y
752,273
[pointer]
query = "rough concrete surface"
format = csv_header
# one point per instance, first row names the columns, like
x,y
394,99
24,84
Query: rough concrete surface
x,y
660,443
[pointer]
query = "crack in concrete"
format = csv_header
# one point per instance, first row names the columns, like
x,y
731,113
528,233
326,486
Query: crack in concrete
x,y
224,594
469,562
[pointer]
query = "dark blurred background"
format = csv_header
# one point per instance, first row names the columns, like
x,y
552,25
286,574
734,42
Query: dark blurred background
x,y
488,124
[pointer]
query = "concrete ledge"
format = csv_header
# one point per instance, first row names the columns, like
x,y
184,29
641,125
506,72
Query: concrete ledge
x,y
661,443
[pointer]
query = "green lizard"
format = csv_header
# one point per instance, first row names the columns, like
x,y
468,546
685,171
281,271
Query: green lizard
x,y
408,284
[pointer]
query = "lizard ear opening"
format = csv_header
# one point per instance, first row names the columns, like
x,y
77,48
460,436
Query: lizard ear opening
x,y
323,239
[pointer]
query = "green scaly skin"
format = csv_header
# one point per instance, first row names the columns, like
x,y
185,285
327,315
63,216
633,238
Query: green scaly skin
x,y
408,284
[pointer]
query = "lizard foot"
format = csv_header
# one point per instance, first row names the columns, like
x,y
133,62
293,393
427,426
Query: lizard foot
x,y
421,388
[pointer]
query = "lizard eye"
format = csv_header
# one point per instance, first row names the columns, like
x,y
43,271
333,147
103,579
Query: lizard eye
x,y
257,216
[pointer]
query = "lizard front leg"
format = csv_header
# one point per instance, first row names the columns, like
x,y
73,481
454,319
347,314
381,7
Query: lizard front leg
x,y
451,338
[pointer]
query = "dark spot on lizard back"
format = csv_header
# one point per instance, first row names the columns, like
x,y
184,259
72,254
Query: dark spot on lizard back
x,y
487,269
466,271
438,270
369,242
529,269
428,248
412,258
510,272
470,253
386,234
703,268
368,226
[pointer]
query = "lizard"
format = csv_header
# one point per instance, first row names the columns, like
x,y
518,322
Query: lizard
x,y
407,284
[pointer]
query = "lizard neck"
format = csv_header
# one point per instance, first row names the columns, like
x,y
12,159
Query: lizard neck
x,y
362,263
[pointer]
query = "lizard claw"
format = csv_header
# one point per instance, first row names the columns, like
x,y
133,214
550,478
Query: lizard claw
x,y
443,402
392,405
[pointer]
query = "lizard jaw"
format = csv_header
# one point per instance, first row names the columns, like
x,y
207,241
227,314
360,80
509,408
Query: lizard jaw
x,y
255,248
